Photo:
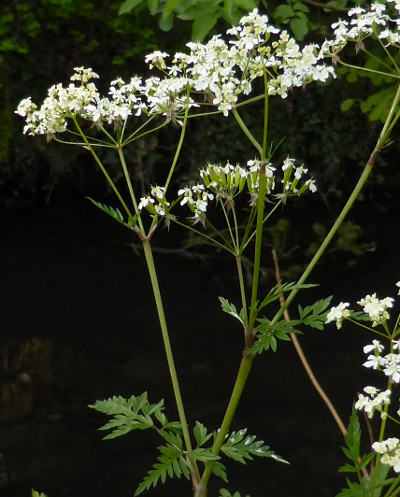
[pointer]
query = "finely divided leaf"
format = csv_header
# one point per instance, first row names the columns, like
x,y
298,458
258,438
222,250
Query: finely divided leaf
x,y
200,434
170,463
277,290
315,315
241,447
231,310
114,213
268,333
135,413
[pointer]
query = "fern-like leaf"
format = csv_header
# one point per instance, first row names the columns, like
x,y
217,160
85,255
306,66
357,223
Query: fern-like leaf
x,y
315,315
277,291
241,447
171,463
135,413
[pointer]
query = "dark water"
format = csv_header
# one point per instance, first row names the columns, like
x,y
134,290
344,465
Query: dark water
x,y
71,280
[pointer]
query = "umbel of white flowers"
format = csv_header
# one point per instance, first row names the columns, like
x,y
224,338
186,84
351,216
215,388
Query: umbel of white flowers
x,y
224,183
214,73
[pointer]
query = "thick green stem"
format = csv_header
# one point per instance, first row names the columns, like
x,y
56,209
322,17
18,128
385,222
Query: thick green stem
x,y
247,361
243,373
168,352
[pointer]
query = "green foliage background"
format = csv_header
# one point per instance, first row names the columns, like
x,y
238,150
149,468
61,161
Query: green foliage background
x,y
42,40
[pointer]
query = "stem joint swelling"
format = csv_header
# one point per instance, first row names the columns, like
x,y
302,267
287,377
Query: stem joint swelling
x,y
143,237
249,337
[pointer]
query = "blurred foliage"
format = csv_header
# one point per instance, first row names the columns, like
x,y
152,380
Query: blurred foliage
x,y
40,43
42,40
301,16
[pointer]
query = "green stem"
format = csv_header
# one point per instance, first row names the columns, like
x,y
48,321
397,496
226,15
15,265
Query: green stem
x,y
247,132
243,373
179,146
345,64
354,195
247,360
257,249
242,286
102,168
168,352
130,188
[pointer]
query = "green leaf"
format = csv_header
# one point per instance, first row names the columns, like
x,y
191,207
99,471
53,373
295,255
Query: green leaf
x,y
218,469
128,5
166,22
267,333
135,413
231,310
352,439
153,5
276,291
170,6
347,104
283,13
241,447
247,5
223,492
200,434
204,455
347,468
298,6
299,28
37,494
114,213
315,315
171,463
354,490
203,24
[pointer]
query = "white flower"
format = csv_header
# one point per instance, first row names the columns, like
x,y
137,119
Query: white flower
x,y
390,452
375,308
376,346
373,401
398,285
338,313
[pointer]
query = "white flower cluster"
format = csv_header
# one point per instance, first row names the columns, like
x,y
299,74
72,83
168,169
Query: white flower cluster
x,y
389,364
376,308
225,183
291,185
390,452
224,70
196,197
338,314
155,203
83,100
219,70
374,400
363,23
